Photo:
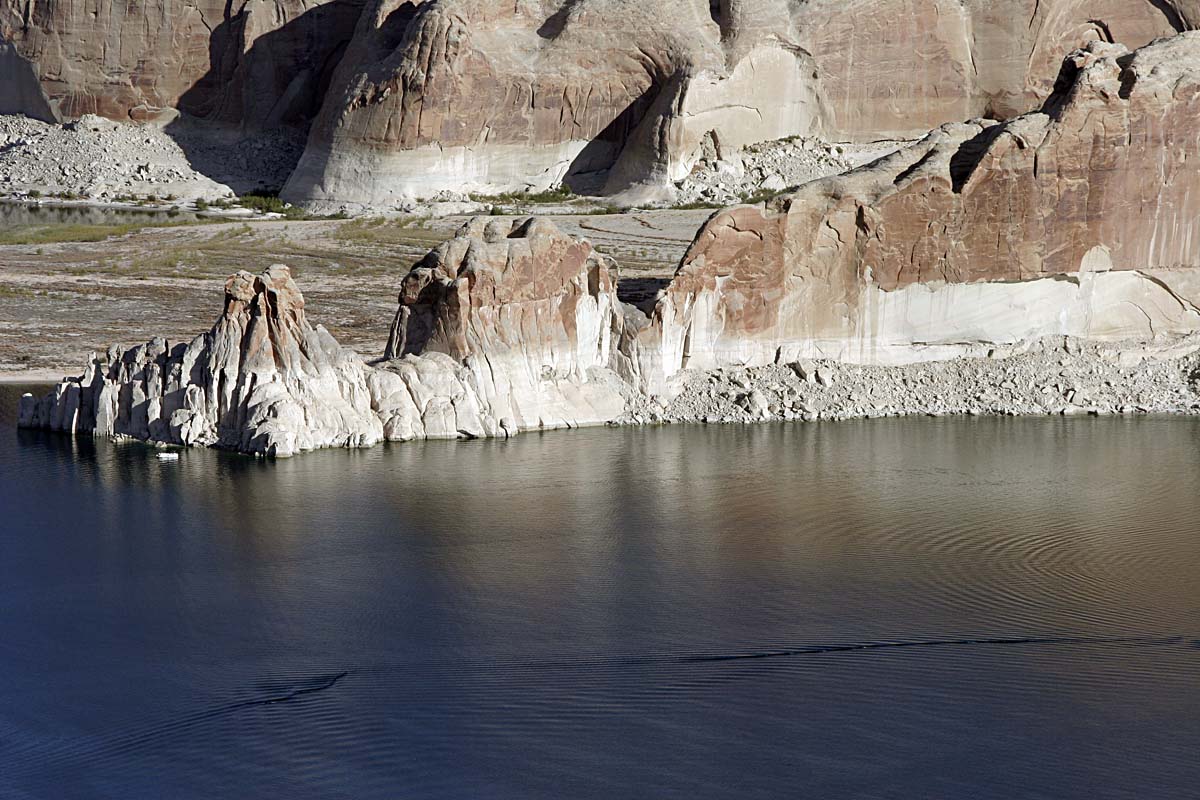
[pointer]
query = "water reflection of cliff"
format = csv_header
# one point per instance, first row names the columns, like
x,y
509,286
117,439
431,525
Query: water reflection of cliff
x,y
13,214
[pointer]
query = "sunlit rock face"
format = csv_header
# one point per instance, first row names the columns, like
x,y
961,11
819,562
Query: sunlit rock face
x,y
508,327
468,95
621,97
531,313
1076,220
607,96
263,380
252,63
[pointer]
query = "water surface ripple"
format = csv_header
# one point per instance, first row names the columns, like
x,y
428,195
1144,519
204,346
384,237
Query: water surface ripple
x,y
968,608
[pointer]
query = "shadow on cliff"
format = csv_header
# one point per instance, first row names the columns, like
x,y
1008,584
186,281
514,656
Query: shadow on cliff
x,y
20,91
627,146
245,122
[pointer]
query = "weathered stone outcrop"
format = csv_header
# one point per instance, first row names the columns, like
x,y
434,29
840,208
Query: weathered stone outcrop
x,y
505,328
530,312
1077,220
263,380
254,63
473,95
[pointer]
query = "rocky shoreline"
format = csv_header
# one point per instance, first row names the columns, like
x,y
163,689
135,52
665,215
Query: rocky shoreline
x,y
1042,265
1057,376
514,326
1053,376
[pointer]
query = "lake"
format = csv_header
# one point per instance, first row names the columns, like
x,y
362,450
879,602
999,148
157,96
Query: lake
x,y
19,214
957,608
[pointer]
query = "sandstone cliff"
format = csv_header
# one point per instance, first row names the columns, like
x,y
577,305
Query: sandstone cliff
x,y
252,63
415,97
1076,220
902,67
621,97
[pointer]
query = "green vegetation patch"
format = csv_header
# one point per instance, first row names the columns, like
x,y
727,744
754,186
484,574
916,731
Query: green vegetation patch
x,y
559,194
270,204
381,230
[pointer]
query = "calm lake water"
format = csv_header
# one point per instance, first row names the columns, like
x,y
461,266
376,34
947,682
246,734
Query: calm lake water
x,y
13,214
976,608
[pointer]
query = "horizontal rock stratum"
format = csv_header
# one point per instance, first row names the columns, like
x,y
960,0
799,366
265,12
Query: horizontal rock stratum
x,y
1076,221
414,97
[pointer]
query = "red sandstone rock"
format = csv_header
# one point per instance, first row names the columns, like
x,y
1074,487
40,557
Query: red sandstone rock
x,y
252,62
610,95
530,311
1079,219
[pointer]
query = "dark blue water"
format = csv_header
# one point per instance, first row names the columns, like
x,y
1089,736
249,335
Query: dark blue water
x,y
886,609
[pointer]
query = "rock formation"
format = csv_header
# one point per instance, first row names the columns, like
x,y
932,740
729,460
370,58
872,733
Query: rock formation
x,y
621,97
1075,220
898,68
262,380
530,312
508,327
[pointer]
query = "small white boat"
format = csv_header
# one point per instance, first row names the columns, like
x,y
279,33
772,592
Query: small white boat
x,y
168,456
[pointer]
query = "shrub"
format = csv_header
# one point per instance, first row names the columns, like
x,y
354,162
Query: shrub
x,y
558,194
269,203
